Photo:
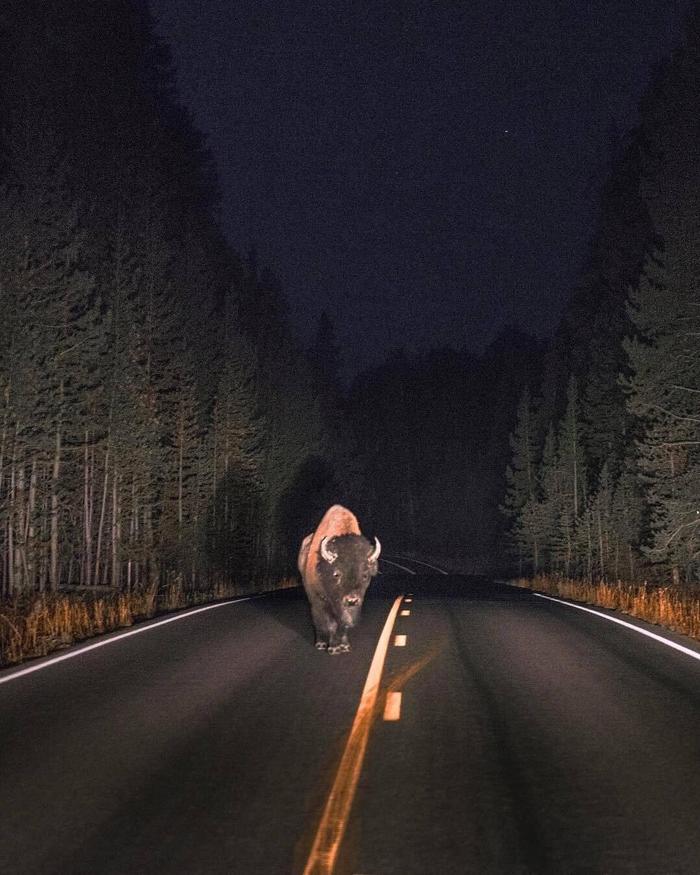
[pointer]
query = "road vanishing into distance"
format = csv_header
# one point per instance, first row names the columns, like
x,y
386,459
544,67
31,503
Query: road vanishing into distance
x,y
503,733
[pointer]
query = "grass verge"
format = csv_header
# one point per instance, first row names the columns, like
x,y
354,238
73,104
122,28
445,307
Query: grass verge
x,y
676,608
38,624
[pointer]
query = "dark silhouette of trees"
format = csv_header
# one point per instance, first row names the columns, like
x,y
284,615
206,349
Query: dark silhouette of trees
x,y
629,338
155,406
433,432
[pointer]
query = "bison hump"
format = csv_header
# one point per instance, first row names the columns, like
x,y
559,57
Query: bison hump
x,y
337,520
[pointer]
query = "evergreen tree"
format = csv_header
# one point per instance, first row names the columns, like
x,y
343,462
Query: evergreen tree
x,y
154,407
521,480
662,393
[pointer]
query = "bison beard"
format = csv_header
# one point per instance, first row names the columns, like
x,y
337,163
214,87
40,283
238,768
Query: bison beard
x,y
336,563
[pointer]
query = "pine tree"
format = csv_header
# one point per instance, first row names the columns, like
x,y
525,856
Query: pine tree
x,y
545,514
663,394
627,512
521,480
237,446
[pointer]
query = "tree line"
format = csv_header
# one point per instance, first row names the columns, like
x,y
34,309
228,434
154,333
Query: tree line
x,y
157,417
432,431
604,479
160,422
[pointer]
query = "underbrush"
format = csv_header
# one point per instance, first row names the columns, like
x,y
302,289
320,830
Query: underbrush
x,y
38,624
675,607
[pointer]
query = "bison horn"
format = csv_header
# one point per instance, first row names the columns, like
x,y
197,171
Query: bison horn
x,y
327,554
374,555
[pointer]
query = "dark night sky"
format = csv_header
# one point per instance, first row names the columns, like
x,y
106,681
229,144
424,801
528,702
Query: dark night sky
x,y
425,171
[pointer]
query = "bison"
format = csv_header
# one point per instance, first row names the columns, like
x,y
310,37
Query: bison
x,y
336,563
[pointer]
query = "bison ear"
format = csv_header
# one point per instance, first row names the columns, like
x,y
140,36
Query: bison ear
x,y
327,554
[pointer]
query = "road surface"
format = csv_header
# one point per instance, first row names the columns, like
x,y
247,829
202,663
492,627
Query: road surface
x,y
530,738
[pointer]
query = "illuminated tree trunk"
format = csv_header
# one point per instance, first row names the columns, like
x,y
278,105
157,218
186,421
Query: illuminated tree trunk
x,y
103,509
116,582
54,549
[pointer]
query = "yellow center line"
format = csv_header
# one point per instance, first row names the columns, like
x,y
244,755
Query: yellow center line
x,y
336,813
400,641
405,613
392,708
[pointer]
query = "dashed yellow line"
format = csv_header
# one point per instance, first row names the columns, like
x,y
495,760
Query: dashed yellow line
x,y
392,707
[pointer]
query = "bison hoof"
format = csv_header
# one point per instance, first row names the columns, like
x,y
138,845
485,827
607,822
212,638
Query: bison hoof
x,y
321,645
344,648
335,649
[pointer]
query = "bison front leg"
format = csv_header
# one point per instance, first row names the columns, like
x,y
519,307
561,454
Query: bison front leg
x,y
335,642
324,626
339,642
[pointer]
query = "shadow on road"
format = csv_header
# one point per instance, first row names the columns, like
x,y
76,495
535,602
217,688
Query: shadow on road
x,y
283,607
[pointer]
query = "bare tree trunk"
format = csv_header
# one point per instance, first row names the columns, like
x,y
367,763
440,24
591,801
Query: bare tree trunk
x,y
30,537
103,508
115,531
55,472
20,516
11,581
630,558
87,513
10,559
590,551
152,568
133,568
213,521
180,476
4,437
536,554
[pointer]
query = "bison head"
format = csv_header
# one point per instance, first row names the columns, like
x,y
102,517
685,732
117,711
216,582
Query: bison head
x,y
349,563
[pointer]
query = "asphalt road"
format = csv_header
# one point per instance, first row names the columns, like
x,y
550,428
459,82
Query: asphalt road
x,y
533,738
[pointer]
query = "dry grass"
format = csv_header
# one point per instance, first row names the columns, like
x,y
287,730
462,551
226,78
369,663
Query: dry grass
x,y
36,625
676,608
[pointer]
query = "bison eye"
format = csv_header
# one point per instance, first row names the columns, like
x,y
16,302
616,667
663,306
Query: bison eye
x,y
336,573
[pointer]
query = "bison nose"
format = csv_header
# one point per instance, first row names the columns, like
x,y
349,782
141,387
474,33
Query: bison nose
x,y
352,600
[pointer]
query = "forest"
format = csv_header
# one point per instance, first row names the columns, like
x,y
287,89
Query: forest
x,y
156,410
605,470
162,425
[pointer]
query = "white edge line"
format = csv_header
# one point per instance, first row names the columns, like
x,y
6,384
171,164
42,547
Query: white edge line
x,y
145,628
403,567
688,652
427,564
